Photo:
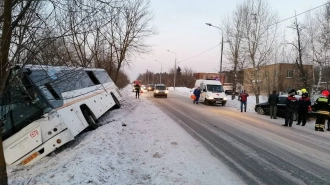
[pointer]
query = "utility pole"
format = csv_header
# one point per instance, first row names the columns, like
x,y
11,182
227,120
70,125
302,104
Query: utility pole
x,y
174,68
220,71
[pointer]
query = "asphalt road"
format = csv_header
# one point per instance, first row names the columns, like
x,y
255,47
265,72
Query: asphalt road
x,y
253,146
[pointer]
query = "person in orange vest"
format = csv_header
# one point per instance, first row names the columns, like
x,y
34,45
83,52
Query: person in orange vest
x,y
322,109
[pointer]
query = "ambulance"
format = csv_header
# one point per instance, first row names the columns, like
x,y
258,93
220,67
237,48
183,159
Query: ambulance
x,y
212,92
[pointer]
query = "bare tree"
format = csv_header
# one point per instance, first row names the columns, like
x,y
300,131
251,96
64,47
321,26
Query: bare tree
x,y
259,37
300,49
187,77
12,13
318,29
40,32
234,30
128,31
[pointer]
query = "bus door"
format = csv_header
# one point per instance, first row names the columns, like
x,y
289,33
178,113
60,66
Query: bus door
x,y
73,120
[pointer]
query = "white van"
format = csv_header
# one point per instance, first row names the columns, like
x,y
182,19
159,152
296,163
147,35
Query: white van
x,y
212,92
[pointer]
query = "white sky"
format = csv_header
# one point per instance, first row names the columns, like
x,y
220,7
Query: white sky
x,y
182,29
150,149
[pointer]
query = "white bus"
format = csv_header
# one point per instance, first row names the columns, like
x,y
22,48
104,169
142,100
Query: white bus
x,y
44,107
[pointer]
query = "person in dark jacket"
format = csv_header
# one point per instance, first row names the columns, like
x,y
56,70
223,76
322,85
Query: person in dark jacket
x,y
243,98
290,108
197,93
273,101
303,103
322,109
137,88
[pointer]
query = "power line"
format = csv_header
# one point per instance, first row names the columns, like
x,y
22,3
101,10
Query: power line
x,y
299,14
199,53
268,26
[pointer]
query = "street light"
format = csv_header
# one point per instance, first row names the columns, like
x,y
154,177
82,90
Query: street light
x,y
174,68
161,66
209,24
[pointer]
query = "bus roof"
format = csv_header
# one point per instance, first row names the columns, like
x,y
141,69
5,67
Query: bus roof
x,y
47,67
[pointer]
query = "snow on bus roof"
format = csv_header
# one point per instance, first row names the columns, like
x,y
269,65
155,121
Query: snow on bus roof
x,y
46,67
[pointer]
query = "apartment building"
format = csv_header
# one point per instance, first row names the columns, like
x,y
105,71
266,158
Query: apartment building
x,y
281,77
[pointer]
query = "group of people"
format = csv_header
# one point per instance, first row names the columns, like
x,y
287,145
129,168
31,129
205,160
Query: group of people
x,y
321,108
242,98
301,106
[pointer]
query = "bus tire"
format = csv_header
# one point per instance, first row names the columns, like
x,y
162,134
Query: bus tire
x,y
117,103
92,122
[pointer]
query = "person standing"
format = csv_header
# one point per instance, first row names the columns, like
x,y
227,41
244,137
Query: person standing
x,y
322,108
243,98
290,108
303,103
137,88
197,93
273,101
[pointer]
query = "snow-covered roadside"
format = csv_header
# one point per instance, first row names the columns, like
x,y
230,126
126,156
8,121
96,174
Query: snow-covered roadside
x,y
251,102
150,149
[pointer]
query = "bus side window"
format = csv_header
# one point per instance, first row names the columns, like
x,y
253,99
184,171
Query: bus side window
x,y
102,76
93,77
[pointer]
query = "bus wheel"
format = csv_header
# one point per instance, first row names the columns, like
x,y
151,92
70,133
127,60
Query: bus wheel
x,y
90,119
117,106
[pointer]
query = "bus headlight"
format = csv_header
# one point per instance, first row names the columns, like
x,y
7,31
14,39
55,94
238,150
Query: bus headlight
x,y
224,98
166,91
210,98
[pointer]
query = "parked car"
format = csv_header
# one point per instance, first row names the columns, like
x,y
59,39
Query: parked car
x,y
150,87
264,108
160,90
230,92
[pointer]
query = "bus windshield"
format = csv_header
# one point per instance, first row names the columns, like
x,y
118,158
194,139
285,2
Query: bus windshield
x,y
20,104
215,88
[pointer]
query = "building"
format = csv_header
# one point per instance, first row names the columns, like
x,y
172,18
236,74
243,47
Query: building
x,y
281,77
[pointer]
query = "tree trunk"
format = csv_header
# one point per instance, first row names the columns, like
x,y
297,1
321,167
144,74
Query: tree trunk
x,y
4,53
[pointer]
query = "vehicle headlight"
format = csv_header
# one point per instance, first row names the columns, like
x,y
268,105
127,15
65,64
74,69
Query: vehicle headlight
x,y
224,98
211,98
166,91
156,91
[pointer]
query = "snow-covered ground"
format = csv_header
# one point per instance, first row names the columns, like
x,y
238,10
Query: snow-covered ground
x,y
137,144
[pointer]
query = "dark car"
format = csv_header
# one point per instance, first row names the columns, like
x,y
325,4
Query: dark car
x,y
230,92
264,108
150,87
